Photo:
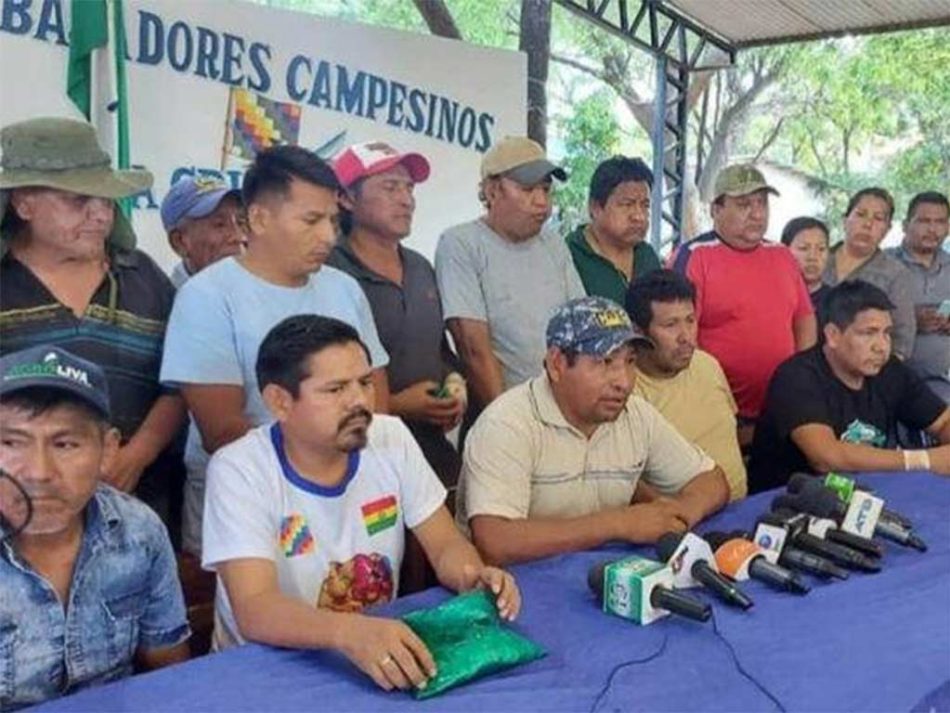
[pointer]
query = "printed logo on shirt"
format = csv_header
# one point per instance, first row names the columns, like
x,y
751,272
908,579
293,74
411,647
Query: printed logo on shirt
x,y
864,434
380,514
361,581
295,536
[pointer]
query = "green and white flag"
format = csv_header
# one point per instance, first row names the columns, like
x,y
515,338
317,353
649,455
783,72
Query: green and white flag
x,y
96,80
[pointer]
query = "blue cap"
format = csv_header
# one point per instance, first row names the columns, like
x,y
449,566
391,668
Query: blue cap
x,y
591,325
193,198
50,367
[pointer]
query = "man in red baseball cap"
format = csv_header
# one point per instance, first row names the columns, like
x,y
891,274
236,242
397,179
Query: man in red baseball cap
x,y
377,206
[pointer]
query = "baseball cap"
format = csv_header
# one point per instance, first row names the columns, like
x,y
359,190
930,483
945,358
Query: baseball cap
x,y
520,159
194,197
374,157
591,325
741,179
50,367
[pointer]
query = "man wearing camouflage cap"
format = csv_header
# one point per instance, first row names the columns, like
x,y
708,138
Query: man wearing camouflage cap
x,y
570,459
70,276
752,305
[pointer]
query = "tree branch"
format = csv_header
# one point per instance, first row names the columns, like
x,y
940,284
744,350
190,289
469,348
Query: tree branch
x,y
438,18
770,139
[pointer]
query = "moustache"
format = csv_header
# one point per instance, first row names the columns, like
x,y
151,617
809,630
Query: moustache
x,y
360,413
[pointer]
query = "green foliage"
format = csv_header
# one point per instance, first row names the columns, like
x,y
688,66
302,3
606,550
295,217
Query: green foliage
x,y
590,135
869,111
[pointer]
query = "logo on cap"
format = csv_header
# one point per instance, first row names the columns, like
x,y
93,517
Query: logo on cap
x,y
50,366
612,318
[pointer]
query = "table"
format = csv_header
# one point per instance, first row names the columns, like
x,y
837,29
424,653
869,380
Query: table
x,y
876,642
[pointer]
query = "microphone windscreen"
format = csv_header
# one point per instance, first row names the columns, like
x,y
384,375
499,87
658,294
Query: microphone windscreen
x,y
715,539
823,503
666,545
797,482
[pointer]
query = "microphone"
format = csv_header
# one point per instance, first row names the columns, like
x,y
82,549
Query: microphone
x,y
641,590
816,502
741,559
775,535
693,564
810,536
844,488
862,513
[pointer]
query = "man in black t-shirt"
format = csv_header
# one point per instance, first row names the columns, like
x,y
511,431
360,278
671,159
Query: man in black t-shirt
x,y
836,405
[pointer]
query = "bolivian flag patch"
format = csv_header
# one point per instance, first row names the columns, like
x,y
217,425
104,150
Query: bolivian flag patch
x,y
380,514
295,536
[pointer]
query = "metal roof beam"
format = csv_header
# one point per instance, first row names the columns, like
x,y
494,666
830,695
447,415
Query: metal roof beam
x,y
657,43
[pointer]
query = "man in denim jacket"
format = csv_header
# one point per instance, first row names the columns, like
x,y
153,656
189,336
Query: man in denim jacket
x,y
88,583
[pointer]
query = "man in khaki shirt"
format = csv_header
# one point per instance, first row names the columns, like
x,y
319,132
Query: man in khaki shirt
x,y
684,383
555,464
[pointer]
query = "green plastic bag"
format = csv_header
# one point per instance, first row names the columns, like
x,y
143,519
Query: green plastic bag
x,y
468,640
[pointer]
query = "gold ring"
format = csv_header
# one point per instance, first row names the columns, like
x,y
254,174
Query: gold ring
x,y
385,660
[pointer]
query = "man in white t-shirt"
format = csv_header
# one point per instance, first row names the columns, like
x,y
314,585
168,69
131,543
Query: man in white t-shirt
x,y
304,519
221,314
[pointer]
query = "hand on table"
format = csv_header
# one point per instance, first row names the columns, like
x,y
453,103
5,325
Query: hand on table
x,y
500,583
388,652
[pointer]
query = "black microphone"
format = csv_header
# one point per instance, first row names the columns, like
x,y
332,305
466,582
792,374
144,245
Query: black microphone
x,y
774,533
741,559
692,562
844,488
829,502
624,586
835,551
821,504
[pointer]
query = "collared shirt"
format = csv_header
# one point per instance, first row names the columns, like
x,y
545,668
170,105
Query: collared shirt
x,y
122,329
887,273
699,404
409,321
929,287
599,275
124,597
747,304
408,317
524,459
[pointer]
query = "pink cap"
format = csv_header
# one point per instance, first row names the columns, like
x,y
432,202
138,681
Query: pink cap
x,y
373,157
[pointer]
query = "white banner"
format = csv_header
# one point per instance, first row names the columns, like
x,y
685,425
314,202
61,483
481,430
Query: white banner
x,y
208,81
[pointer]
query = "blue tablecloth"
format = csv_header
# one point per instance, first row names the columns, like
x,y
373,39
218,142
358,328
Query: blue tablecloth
x,y
877,642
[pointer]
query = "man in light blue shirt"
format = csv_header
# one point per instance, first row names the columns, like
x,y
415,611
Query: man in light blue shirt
x,y
88,582
222,314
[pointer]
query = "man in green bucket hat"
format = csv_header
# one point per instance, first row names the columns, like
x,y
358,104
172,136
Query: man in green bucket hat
x,y
70,276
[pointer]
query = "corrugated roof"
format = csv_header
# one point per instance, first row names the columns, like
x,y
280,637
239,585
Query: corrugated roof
x,y
745,23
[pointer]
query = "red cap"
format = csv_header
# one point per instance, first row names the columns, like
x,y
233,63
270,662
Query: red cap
x,y
373,157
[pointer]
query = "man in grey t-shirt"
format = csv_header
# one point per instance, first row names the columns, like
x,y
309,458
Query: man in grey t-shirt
x,y
925,233
502,276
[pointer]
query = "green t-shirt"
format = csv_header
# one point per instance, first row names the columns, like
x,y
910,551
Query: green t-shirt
x,y
600,276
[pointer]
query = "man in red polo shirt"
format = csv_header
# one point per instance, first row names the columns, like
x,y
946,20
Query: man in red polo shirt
x,y
752,305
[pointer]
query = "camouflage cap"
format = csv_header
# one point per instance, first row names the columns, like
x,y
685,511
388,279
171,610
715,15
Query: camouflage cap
x,y
741,179
591,325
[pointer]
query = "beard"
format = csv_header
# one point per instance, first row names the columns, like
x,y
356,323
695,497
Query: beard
x,y
353,431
